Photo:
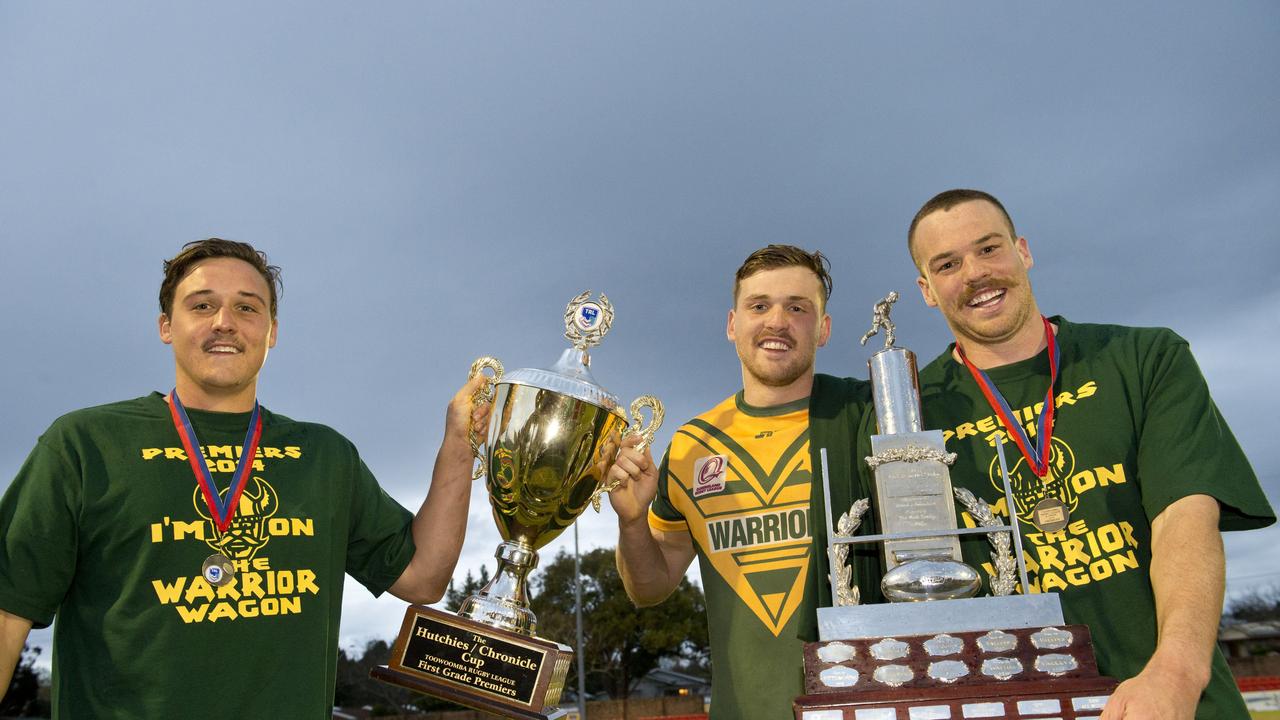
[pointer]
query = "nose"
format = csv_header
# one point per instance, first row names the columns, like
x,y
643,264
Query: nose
x,y
975,272
224,320
776,317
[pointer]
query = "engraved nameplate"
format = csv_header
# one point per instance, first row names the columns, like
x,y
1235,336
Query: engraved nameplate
x,y
1051,638
889,649
929,712
838,676
998,641
943,645
893,675
948,671
837,652
983,710
875,714
1097,702
1039,707
1056,664
1001,668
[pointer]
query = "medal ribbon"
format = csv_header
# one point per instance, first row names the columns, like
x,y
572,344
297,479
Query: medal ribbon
x,y
1037,454
223,510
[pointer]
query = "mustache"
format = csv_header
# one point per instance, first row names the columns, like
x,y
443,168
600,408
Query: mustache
x,y
784,336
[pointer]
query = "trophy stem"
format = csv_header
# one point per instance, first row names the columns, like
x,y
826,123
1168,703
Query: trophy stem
x,y
504,602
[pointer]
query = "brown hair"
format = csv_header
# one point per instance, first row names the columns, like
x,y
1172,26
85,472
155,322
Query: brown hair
x,y
193,252
778,256
945,201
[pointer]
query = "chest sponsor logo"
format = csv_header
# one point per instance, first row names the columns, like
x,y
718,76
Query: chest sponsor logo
x,y
708,475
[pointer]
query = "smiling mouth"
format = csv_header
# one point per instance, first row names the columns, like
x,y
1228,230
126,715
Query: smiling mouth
x,y
986,298
772,344
223,350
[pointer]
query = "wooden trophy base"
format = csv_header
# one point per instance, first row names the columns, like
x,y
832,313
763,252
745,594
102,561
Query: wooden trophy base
x,y
1047,672
449,656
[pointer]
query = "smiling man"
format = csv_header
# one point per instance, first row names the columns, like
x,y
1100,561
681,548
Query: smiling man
x,y
190,546
1122,468
736,489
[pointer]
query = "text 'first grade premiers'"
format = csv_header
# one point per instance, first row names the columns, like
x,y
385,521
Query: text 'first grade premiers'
x,y
462,657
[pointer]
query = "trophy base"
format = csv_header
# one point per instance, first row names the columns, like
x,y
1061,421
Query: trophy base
x,y
1065,699
458,659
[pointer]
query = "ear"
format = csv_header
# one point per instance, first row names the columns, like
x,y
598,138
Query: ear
x,y
166,332
271,338
926,291
824,330
1024,252
728,331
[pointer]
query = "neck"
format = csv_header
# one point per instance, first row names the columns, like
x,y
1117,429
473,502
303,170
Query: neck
x,y
195,397
760,395
1027,342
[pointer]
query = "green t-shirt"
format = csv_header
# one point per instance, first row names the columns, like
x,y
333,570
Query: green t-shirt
x,y
1135,429
104,529
737,478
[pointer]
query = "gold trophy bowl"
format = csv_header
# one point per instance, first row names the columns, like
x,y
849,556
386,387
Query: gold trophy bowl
x,y
553,436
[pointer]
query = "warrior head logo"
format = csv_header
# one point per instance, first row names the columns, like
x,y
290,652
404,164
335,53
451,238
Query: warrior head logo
x,y
1028,489
248,530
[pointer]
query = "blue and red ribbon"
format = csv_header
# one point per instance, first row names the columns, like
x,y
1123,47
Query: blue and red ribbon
x,y
1037,453
222,509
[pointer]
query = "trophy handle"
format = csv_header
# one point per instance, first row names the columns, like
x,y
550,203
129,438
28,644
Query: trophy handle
x,y
484,394
635,427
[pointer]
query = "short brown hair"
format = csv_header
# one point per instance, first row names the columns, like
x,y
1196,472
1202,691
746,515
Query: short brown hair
x,y
945,201
193,252
778,256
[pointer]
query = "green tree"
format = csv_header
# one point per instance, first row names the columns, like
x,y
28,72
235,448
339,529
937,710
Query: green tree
x,y
620,642
454,596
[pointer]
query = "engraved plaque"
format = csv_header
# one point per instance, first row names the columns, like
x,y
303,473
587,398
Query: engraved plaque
x,y
823,715
929,712
943,645
914,496
998,641
836,652
948,671
1056,664
983,710
839,676
1096,702
875,714
889,649
1001,668
1039,707
1051,638
893,675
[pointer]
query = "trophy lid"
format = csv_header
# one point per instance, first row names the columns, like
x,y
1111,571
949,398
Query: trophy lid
x,y
586,323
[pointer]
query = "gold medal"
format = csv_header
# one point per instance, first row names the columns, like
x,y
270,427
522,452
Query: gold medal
x,y
1051,515
218,570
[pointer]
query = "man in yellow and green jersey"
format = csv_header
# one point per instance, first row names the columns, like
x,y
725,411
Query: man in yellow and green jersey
x,y
736,489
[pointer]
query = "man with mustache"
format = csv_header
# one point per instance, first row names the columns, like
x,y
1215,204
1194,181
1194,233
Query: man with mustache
x,y
1123,470
117,525
737,489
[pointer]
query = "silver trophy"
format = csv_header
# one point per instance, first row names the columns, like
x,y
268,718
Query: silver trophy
x,y
915,504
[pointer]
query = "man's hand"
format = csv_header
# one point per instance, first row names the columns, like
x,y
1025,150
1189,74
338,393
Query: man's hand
x,y
639,482
1155,693
464,418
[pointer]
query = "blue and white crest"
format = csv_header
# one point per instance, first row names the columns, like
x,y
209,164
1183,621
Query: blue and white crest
x,y
587,321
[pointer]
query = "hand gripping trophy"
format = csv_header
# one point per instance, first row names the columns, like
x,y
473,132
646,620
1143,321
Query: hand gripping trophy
x,y
553,436
935,650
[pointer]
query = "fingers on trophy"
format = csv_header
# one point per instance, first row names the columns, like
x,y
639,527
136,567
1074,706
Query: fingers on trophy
x,y
639,429
484,394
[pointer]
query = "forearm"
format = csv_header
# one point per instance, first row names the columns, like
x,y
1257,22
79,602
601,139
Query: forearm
x,y
1188,571
643,564
439,526
13,635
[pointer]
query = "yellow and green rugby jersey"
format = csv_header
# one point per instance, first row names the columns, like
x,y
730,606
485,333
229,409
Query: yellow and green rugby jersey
x,y
737,478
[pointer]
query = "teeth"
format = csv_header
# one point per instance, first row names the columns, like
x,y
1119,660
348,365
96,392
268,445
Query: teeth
x,y
985,295
223,349
774,345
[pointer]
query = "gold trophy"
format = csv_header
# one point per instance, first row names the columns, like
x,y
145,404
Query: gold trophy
x,y
553,436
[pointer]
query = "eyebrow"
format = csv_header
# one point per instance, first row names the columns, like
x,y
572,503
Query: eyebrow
x,y
949,253
242,293
789,298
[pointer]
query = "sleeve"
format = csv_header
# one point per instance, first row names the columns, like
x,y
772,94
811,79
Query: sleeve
x,y
380,535
1185,447
663,514
39,514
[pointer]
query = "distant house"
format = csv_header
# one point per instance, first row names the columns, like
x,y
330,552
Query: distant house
x,y
668,683
1250,639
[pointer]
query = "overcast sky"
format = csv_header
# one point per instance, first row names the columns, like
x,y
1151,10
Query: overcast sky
x,y
438,179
